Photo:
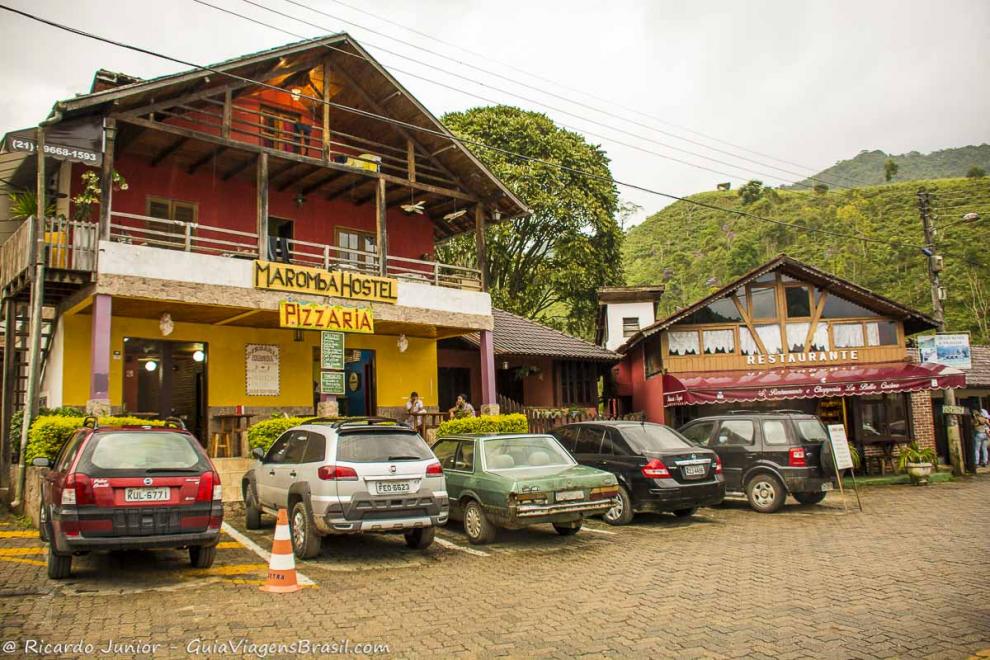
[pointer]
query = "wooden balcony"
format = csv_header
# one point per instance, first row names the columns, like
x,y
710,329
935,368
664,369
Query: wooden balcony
x,y
70,249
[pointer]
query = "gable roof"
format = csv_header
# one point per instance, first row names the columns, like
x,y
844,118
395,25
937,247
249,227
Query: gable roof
x,y
516,335
914,321
351,61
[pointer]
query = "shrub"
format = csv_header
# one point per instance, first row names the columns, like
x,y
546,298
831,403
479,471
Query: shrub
x,y
267,431
515,423
17,419
49,432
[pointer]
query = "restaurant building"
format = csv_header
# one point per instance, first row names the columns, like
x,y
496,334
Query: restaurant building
x,y
788,336
276,195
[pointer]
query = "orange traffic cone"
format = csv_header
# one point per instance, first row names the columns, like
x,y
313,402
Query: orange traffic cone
x,y
282,567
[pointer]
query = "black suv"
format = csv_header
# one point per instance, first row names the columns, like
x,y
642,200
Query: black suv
x,y
768,454
657,469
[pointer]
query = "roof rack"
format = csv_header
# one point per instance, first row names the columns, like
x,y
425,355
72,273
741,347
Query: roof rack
x,y
776,411
91,422
174,423
339,423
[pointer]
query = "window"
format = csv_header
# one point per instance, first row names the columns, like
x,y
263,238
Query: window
x,y
465,457
578,383
630,326
530,451
141,451
735,432
316,449
296,447
354,246
64,459
770,336
796,334
445,452
881,333
281,128
719,342
747,345
819,341
811,430
720,311
839,308
589,440
774,432
653,438
276,453
847,335
168,209
883,417
798,300
651,355
763,303
378,446
567,437
613,444
682,342
700,433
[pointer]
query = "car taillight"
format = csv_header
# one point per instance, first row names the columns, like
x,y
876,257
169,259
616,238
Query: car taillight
x,y
78,490
655,469
209,487
796,457
718,465
337,472
434,470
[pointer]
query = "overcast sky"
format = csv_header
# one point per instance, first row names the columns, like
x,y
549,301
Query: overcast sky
x,y
806,82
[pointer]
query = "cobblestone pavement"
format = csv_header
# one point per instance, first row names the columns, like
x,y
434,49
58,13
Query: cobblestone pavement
x,y
908,578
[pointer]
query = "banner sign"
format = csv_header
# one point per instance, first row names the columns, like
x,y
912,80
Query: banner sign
x,y
840,446
954,410
332,382
79,141
950,350
312,316
262,369
336,284
332,350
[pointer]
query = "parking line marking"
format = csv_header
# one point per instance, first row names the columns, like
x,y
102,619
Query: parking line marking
x,y
12,552
231,569
20,534
18,560
444,543
598,531
258,550
227,545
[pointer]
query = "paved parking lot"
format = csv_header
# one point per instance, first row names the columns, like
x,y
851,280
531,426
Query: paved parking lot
x,y
910,577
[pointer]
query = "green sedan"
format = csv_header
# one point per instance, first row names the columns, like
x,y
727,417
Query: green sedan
x,y
514,481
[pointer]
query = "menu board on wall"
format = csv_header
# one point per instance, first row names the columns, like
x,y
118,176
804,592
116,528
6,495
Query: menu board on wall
x,y
262,361
332,350
332,382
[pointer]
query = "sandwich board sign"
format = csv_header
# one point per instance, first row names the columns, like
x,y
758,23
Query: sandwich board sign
x,y
840,446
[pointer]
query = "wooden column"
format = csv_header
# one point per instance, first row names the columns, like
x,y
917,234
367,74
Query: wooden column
x,y
326,109
228,113
99,356
479,240
106,178
262,224
487,351
9,378
381,226
411,160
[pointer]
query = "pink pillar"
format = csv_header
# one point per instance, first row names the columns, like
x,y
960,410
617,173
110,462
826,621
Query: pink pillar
x,y
99,356
487,371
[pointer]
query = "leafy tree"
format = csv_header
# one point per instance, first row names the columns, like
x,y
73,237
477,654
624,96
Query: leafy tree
x,y
889,169
546,266
820,188
751,192
976,172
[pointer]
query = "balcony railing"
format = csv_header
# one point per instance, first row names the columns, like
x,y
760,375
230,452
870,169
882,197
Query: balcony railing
x,y
70,245
194,237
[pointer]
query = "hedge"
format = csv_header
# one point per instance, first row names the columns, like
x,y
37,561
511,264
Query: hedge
x,y
515,423
265,432
49,432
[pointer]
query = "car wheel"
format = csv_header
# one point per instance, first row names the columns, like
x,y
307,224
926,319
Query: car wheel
x,y
252,514
622,512
810,498
59,566
478,528
568,529
420,539
686,513
305,540
201,556
765,493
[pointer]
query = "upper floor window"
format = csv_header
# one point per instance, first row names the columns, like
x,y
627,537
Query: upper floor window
x,y
798,300
651,355
168,233
683,342
721,311
763,303
630,326
354,246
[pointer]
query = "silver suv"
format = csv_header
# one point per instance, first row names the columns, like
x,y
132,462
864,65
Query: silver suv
x,y
346,477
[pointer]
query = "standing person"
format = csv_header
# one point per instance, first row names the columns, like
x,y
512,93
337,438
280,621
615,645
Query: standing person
x,y
981,429
461,408
414,407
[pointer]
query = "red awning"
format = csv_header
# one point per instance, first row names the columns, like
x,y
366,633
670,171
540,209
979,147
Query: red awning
x,y
686,389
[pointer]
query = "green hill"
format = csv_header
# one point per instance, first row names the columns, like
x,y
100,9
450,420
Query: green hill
x,y
866,169
694,250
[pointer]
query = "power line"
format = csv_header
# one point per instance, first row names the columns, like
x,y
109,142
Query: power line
x,y
446,136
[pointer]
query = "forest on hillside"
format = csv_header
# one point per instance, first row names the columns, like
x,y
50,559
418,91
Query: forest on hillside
x,y
695,250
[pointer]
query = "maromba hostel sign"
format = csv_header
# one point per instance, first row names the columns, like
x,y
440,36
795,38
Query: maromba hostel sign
x,y
337,284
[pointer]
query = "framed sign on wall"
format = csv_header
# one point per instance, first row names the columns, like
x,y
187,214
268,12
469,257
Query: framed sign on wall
x,y
262,369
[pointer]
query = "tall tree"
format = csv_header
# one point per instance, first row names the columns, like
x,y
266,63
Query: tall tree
x,y
546,266
890,169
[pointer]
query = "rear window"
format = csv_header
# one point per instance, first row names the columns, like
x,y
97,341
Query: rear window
x,y
381,447
127,450
653,437
810,430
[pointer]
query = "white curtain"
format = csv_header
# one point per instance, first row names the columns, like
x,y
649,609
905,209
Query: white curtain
x,y
719,341
796,334
747,346
820,341
873,334
848,335
682,343
770,336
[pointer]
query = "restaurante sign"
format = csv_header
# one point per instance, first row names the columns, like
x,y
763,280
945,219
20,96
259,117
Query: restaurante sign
x,y
337,284
798,358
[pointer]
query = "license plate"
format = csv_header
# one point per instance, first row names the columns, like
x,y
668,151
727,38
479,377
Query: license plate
x,y
160,494
693,470
393,487
570,495
826,487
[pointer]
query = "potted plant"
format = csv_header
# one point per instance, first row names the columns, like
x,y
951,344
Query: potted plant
x,y
917,462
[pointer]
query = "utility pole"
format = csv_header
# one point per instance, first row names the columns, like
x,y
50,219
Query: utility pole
x,y
938,308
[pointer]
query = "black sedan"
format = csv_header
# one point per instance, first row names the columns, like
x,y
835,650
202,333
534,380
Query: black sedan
x,y
657,468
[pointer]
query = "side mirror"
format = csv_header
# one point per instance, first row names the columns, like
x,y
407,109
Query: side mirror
x,y
41,462
258,453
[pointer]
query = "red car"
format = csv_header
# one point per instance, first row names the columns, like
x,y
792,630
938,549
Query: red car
x,y
126,488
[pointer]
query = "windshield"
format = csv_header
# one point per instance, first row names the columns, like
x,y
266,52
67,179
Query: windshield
x,y
158,450
654,437
523,452
810,430
381,447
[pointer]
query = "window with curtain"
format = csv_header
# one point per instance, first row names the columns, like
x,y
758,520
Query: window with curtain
x,y
881,333
796,334
682,342
770,336
747,345
819,341
848,335
719,342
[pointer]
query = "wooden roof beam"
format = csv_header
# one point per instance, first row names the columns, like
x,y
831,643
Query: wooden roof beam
x,y
160,157
237,169
290,179
319,183
199,162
